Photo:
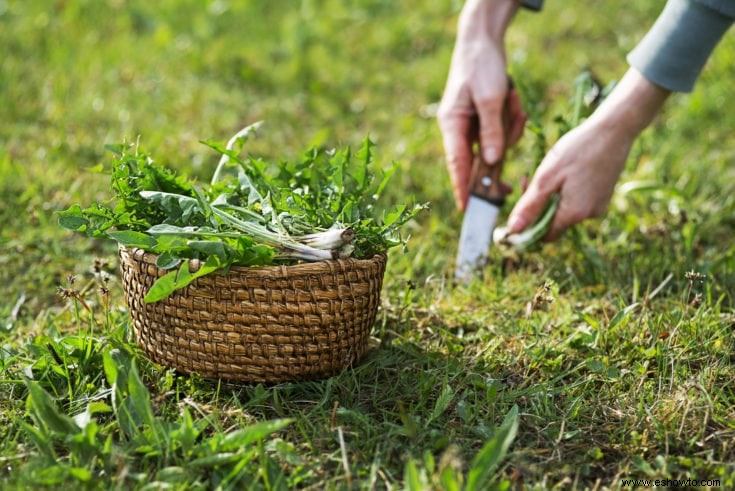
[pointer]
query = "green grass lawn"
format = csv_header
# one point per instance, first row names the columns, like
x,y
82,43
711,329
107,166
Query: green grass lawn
x,y
606,356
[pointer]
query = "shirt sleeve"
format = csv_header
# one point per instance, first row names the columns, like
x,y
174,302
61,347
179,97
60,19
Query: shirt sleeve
x,y
532,4
674,51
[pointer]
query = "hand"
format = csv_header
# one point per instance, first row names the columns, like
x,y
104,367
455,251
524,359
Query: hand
x,y
585,164
471,109
583,168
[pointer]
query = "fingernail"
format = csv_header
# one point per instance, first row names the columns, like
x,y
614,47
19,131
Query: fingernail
x,y
490,155
516,224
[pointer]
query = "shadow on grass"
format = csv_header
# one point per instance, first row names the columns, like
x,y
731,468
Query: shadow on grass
x,y
401,401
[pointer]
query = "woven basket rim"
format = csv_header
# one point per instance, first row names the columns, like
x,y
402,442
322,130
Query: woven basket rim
x,y
285,270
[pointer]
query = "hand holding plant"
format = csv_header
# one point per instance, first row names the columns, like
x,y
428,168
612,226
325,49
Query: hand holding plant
x,y
585,164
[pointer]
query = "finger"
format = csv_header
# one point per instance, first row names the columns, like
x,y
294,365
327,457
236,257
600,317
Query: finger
x,y
458,149
518,118
559,224
565,218
554,233
517,127
492,134
567,215
532,203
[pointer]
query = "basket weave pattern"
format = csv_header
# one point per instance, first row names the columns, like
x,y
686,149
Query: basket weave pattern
x,y
265,324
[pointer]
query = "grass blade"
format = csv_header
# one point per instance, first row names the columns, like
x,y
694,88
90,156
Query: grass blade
x,y
492,453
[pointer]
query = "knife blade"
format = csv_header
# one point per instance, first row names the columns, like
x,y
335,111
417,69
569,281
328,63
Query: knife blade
x,y
487,197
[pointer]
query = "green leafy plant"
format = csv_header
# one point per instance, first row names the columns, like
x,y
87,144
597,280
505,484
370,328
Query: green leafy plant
x,y
482,473
322,206
89,444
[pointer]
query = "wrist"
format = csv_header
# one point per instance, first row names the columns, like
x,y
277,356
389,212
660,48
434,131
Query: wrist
x,y
631,106
486,18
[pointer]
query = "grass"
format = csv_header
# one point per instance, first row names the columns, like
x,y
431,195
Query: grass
x,y
615,345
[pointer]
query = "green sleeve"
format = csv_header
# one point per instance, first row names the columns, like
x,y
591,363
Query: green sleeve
x,y
532,4
674,51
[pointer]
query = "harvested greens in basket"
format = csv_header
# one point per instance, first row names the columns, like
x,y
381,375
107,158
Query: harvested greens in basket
x,y
252,213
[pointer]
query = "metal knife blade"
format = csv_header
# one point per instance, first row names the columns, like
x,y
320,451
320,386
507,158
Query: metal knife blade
x,y
479,222
481,215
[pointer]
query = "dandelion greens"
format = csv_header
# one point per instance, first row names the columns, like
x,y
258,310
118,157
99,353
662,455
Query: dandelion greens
x,y
322,206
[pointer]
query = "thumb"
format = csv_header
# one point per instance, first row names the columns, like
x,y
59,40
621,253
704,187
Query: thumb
x,y
532,203
492,133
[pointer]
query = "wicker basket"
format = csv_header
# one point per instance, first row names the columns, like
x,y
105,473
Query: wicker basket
x,y
265,324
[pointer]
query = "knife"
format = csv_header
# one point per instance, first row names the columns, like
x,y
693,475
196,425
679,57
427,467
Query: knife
x,y
481,215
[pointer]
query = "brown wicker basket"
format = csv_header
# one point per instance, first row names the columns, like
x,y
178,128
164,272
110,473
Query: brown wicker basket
x,y
265,324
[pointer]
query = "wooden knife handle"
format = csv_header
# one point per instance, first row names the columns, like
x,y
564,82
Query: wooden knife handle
x,y
485,181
